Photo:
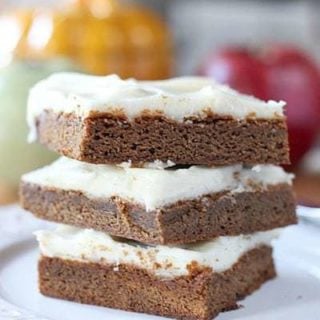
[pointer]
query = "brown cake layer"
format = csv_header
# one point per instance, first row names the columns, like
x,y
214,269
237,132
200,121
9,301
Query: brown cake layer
x,y
200,296
185,221
110,138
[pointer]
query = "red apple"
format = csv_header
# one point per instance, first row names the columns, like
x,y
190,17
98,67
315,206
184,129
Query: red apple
x,y
292,76
280,72
238,68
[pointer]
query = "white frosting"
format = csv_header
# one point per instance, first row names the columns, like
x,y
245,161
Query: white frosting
x,y
153,188
157,164
177,98
92,246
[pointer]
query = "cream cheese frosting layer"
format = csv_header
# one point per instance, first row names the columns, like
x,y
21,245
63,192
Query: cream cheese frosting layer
x,y
153,188
177,98
88,245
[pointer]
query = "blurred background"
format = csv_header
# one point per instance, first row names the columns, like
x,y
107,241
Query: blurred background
x,y
270,49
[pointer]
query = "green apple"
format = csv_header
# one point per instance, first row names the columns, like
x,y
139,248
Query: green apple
x,y
16,155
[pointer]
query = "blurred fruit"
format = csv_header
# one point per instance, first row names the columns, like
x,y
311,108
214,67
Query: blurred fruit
x,y
238,68
278,72
103,36
294,78
17,156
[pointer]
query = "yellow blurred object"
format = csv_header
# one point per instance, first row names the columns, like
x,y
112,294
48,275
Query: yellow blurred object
x,y
103,36
7,194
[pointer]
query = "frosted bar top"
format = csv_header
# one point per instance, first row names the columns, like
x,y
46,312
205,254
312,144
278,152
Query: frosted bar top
x,y
176,98
154,188
92,246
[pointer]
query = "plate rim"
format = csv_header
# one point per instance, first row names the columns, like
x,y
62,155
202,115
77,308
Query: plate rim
x,y
14,215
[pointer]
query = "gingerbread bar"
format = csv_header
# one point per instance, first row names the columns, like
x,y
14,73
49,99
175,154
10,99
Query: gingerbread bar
x,y
168,206
194,282
187,121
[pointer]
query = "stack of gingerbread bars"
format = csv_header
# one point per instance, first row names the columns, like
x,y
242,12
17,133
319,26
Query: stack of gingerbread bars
x,y
168,193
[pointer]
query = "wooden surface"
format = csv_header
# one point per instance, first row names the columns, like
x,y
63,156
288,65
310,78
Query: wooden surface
x,y
307,188
7,194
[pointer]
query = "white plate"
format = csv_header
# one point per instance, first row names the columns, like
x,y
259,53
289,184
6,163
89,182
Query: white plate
x,y
294,294
309,214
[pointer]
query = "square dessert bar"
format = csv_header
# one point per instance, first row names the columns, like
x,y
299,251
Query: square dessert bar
x,y
191,282
106,120
161,206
